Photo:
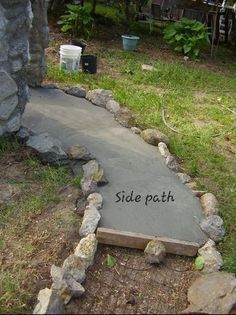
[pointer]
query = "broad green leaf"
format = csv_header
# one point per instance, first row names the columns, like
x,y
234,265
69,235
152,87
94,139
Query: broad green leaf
x,y
199,263
187,48
66,28
178,48
178,37
111,261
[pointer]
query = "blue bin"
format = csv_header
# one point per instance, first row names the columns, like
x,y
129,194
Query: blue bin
x,y
130,42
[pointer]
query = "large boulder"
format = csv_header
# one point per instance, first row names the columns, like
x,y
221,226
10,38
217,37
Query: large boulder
x,y
48,148
213,293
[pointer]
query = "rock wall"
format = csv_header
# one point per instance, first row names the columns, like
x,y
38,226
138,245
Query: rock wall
x,y
23,36
15,22
38,41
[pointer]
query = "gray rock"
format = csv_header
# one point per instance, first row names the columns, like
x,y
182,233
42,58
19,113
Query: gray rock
x,y
88,186
49,149
184,178
95,200
90,221
125,118
6,192
213,226
99,97
49,86
81,204
23,134
79,152
212,258
65,284
13,124
209,204
49,302
191,185
154,137
93,170
213,293
7,106
155,252
198,193
164,151
75,267
136,130
147,68
172,164
86,249
113,106
76,91
8,86
76,167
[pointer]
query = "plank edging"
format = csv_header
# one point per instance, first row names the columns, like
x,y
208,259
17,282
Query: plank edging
x,y
139,241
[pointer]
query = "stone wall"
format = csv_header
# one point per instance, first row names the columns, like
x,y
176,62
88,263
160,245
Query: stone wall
x,y
15,22
23,36
38,41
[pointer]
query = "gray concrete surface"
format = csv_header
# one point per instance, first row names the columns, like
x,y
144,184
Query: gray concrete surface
x,y
130,165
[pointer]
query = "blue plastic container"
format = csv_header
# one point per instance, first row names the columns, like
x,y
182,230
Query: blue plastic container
x,y
130,42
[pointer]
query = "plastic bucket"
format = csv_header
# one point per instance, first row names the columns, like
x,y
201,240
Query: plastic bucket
x,y
130,42
70,57
89,63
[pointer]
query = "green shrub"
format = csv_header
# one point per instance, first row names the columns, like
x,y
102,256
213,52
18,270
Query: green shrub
x,y
77,21
186,36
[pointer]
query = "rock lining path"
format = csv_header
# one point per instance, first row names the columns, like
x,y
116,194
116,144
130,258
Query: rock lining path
x,y
130,165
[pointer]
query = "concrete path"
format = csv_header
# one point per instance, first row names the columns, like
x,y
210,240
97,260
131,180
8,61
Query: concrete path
x,y
130,165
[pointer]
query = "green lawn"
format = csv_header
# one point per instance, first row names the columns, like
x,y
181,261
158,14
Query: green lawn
x,y
192,96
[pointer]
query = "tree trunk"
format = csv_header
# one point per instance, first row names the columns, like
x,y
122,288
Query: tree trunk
x,y
94,3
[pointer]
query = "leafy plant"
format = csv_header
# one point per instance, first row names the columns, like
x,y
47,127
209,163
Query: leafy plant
x,y
199,263
77,20
111,261
186,36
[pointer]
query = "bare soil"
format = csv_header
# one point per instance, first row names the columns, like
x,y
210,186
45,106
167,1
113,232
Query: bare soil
x,y
32,241
133,286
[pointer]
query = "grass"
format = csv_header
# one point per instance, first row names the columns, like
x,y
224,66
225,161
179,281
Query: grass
x,y
38,192
192,97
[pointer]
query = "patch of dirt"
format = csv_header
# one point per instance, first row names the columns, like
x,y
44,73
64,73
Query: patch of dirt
x,y
200,96
32,241
133,286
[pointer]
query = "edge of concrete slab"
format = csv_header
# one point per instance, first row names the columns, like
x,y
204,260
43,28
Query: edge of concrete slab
x,y
140,241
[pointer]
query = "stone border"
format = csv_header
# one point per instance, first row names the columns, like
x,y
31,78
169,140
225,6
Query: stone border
x,y
212,224
68,278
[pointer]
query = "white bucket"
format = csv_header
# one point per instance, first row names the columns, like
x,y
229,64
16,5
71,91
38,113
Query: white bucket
x,y
70,57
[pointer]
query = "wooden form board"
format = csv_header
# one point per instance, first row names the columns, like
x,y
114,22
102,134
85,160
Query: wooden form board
x,y
140,241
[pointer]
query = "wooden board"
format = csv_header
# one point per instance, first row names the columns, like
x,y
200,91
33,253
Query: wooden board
x,y
140,241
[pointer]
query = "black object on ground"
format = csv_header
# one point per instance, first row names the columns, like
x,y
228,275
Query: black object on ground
x,y
89,63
